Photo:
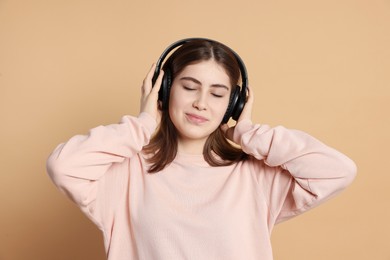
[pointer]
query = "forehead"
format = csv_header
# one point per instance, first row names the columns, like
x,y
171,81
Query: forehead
x,y
207,72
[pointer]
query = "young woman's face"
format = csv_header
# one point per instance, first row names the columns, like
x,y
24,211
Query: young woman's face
x,y
198,100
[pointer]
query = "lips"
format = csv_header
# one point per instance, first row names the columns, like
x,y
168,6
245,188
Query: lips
x,y
196,119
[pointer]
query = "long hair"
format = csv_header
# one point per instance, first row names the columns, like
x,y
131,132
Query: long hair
x,y
217,151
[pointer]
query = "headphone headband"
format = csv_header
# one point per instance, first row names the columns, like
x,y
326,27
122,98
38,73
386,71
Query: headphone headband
x,y
244,74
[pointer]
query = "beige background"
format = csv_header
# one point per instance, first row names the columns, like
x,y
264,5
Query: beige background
x,y
319,66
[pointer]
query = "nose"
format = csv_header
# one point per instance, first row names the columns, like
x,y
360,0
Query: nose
x,y
200,102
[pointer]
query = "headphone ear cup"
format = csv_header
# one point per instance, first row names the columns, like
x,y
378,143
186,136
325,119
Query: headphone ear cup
x,y
232,104
165,89
239,106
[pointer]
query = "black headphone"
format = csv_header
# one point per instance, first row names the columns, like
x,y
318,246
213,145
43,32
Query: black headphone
x,y
237,98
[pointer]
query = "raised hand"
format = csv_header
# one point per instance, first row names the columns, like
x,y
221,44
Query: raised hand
x,y
149,94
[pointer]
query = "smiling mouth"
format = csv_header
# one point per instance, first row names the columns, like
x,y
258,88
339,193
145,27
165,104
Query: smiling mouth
x,y
196,119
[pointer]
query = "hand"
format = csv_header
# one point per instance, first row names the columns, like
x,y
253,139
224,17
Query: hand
x,y
149,95
246,114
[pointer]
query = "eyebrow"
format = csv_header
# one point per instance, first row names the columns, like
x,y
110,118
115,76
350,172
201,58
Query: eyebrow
x,y
198,82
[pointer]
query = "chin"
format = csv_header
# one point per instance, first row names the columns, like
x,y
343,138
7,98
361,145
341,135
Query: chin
x,y
193,132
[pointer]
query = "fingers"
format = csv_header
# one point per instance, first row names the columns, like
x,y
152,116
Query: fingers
x,y
147,83
228,131
250,96
224,128
157,85
147,86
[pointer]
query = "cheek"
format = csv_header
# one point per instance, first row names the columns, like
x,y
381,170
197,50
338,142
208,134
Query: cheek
x,y
177,103
222,106
176,99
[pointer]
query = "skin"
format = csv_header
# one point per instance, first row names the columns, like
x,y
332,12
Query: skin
x,y
198,101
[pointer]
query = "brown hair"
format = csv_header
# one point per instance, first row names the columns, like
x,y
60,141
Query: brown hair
x,y
217,151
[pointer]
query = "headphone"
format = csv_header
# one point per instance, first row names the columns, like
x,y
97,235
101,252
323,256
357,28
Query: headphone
x,y
237,98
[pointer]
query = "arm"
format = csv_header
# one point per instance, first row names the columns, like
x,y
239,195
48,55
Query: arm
x,y
78,165
301,172
295,171
90,169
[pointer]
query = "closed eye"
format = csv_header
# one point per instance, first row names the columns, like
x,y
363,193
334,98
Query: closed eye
x,y
188,88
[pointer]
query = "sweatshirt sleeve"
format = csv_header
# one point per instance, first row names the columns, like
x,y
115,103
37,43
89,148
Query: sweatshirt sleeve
x,y
297,172
80,166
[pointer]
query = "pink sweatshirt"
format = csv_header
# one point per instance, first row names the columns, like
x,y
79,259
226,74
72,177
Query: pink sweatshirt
x,y
191,210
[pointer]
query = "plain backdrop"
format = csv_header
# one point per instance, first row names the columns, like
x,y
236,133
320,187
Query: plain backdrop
x,y
319,66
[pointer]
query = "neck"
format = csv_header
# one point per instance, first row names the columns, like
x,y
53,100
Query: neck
x,y
190,146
